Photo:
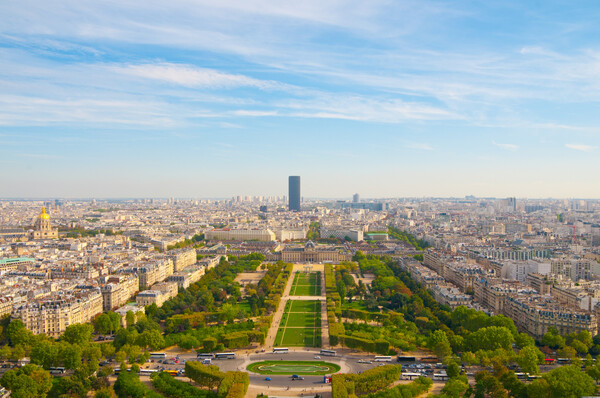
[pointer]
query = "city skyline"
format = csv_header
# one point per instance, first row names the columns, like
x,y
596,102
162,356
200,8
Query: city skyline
x,y
390,99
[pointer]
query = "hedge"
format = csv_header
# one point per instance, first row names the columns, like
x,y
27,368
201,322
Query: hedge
x,y
370,381
171,387
229,384
414,389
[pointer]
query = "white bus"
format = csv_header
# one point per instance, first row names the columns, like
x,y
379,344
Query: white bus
x,y
280,350
205,355
383,358
158,355
225,355
328,353
56,371
147,372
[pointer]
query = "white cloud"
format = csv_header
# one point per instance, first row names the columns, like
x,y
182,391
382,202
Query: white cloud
x,y
581,147
510,147
191,76
419,145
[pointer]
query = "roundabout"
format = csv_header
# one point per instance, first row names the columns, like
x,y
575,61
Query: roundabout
x,y
293,368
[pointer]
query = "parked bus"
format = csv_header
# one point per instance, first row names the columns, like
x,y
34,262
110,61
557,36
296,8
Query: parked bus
x,y
328,353
280,350
158,355
402,358
57,371
205,355
563,360
549,361
409,376
533,377
382,358
147,372
225,355
521,376
172,372
440,376
429,359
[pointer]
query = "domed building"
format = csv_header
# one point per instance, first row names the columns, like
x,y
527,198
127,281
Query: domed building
x,y
42,229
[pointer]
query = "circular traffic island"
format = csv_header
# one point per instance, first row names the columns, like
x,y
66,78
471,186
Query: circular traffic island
x,y
293,368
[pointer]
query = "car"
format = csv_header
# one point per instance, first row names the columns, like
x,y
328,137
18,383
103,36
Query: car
x,y
267,378
317,357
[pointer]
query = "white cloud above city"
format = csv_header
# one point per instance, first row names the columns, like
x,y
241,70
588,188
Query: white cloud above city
x,y
263,75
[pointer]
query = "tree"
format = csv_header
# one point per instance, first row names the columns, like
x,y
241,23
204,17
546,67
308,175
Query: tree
x,y
453,370
524,340
106,392
487,385
80,333
528,359
552,339
567,352
569,381
438,342
18,334
129,318
70,355
490,338
28,381
580,347
455,388
45,354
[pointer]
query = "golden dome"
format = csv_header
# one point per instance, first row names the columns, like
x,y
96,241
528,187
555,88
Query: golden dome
x,y
43,215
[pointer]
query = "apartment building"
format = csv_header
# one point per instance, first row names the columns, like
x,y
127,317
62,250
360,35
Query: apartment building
x,y
158,294
118,290
6,306
535,314
263,235
150,273
572,268
182,258
52,315
80,272
356,235
450,296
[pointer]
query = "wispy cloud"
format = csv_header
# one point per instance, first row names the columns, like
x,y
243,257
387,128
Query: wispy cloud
x,y
419,145
581,147
191,76
510,147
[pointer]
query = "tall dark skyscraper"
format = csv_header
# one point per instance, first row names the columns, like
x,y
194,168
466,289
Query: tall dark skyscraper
x,y
294,193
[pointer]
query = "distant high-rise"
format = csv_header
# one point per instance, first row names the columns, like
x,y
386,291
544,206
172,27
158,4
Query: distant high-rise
x,y
294,193
355,198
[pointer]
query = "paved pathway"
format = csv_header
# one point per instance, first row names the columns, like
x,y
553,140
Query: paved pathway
x,y
324,320
270,340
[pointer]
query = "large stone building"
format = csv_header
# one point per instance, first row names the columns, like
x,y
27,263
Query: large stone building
x,y
183,258
262,235
42,228
118,290
310,253
52,315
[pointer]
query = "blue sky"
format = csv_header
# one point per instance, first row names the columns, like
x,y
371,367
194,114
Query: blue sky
x,y
221,98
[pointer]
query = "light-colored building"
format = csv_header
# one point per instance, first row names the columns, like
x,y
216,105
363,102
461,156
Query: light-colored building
x,y
6,306
572,268
42,228
52,315
158,294
118,290
183,258
262,235
356,235
534,314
